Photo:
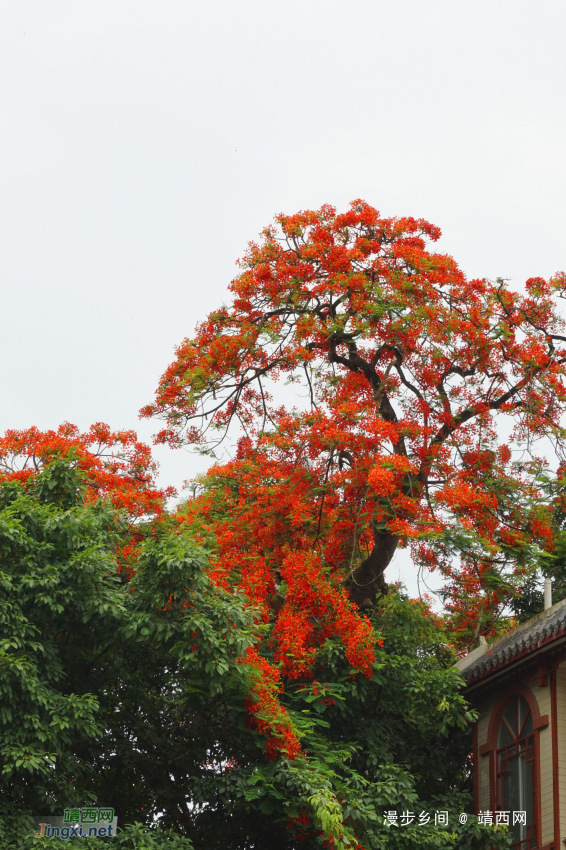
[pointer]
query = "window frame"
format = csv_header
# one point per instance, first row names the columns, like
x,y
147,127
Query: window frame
x,y
490,748
521,744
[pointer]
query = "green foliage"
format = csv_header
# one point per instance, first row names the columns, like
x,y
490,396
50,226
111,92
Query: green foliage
x,y
551,563
398,741
16,834
58,609
133,694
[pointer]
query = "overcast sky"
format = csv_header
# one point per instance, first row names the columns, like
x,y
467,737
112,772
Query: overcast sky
x,y
143,144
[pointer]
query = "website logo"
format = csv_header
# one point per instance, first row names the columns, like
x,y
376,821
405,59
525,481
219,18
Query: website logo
x,y
85,822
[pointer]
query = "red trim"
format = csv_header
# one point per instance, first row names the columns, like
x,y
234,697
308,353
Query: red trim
x,y
542,722
476,759
490,747
498,711
555,777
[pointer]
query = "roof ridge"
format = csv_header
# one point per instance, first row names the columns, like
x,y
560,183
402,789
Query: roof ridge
x,y
527,624
521,640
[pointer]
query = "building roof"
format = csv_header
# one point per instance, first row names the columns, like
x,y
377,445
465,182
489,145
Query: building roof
x,y
514,645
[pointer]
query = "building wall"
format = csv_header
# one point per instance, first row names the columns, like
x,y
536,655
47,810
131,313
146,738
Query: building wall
x,y
561,728
483,761
542,696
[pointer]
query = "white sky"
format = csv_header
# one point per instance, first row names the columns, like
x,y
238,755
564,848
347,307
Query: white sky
x,y
142,144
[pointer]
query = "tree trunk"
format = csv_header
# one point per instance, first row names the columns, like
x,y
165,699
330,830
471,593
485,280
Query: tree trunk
x,y
367,580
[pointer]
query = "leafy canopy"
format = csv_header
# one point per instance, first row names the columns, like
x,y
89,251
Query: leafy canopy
x,y
160,694
407,367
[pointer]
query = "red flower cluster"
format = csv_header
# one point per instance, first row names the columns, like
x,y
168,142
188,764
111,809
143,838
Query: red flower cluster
x,y
300,826
267,715
116,465
314,610
259,509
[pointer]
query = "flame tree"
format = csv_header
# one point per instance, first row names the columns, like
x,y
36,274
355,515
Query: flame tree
x,y
403,369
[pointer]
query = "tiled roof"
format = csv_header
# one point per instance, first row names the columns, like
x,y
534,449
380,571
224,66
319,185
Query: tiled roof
x,y
526,638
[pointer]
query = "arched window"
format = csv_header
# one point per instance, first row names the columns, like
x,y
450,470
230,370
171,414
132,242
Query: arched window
x,y
516,771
